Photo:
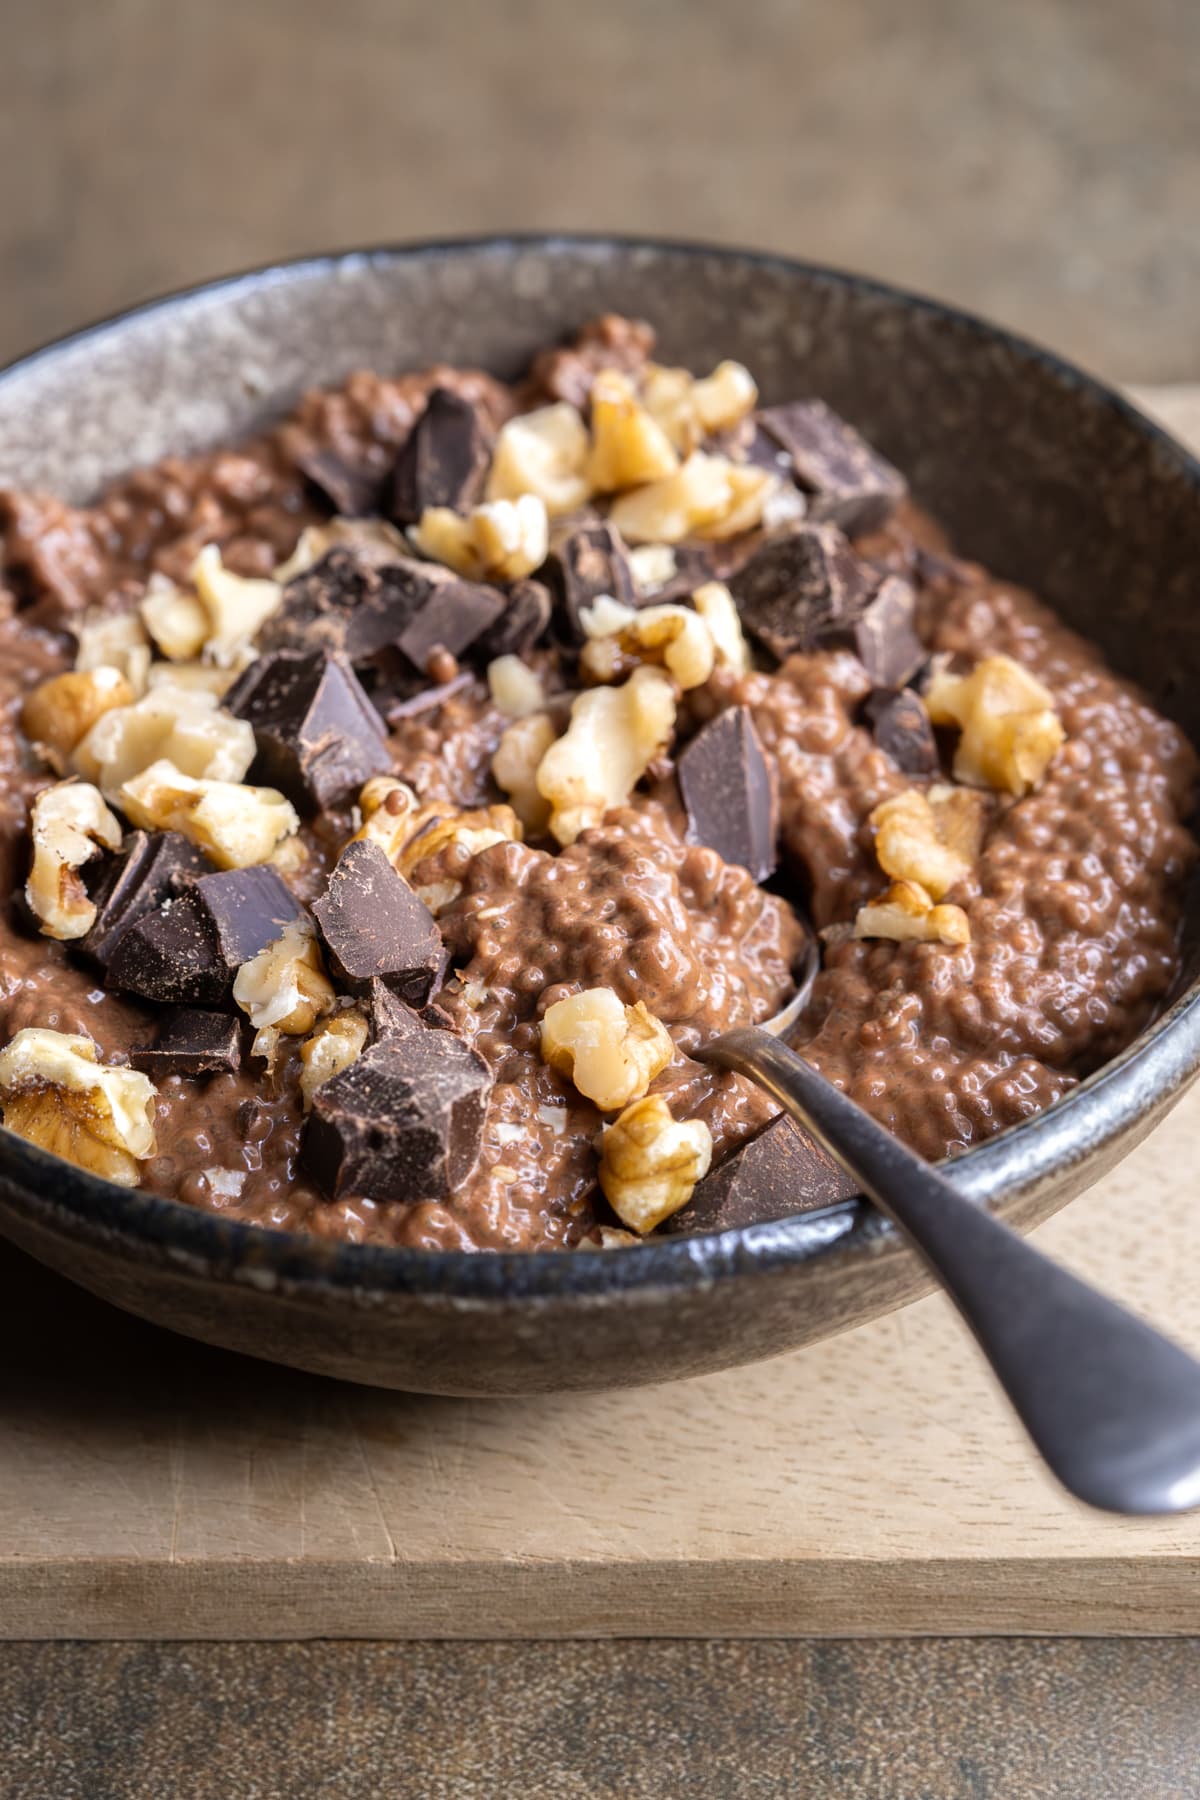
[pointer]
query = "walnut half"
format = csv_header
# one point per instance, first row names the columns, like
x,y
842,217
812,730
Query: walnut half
x,y
611,1052
69,825
54,1092
650,1162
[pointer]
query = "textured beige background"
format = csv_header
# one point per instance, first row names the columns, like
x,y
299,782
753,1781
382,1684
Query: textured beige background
x,y
1038,160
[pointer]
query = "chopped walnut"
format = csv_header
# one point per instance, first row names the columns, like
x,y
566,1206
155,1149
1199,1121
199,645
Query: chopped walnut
x,y
515,767
69,824
689,409
176,620
614,735
611,1052
961,815
465,833
543,453
516,689
54,1092
674,636
237,607
717,608
708,497
116,641
931,838
1010,730
289,856
609,1237
235,825
906,912
183,725
199,676
334,1045
284,989
60,711
650,1162
502,540
370,538
629,447
652,566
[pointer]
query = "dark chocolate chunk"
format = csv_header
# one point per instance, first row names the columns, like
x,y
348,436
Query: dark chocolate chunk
x,y
404,1122
373,924
900,723
798,587
750,443
426,699
351,489
190,949
584,564
318,736
883,634
190,1042
390,1016
134,881
520,625
449,614
778,1172
253,1121
849,482
340,604
347,605
444,460
929,567
728,788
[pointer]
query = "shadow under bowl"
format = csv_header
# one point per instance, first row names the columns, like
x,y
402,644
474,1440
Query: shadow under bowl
x,y
1036,469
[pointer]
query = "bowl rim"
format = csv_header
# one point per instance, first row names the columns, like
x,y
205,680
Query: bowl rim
x,y
1024,1159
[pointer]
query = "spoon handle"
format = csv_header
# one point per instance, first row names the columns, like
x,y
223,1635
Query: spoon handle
x,y
1111,1404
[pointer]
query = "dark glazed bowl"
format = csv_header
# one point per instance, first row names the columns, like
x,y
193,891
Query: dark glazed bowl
x,y
1036,469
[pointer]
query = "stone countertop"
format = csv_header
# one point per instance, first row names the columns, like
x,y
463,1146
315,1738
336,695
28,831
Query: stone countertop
x,y
932,1719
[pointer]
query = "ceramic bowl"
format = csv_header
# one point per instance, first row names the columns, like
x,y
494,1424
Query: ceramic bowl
x,y
1037,470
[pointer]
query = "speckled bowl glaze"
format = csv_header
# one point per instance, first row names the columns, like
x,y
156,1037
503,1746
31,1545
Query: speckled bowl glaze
x,y
1037,470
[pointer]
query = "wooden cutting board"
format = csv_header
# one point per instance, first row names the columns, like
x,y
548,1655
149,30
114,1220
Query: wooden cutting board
x,y
872,1485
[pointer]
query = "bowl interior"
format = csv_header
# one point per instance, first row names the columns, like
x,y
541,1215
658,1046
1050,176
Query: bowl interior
x,y
1035,469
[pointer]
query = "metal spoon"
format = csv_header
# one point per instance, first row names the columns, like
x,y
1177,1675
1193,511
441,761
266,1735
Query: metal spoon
x,y
1112,1405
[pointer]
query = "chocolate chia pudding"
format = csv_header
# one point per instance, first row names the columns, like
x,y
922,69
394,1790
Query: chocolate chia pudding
x,y
394,804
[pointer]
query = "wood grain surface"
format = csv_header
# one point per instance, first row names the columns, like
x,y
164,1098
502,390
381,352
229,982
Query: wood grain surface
x,y
872,1485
